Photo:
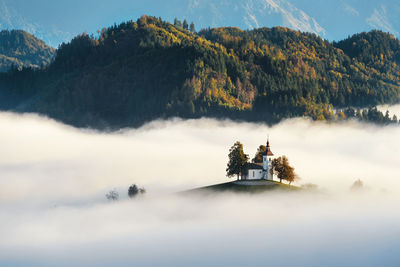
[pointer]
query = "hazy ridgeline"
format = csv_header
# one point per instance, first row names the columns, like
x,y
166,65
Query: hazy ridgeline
x,y
53,181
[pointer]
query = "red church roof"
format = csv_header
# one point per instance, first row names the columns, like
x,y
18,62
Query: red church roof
x,y
269,152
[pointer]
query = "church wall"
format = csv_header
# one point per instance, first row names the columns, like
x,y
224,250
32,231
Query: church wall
x,y
254,175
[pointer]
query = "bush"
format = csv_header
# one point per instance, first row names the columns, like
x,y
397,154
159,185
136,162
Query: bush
x,y
112,195
133,191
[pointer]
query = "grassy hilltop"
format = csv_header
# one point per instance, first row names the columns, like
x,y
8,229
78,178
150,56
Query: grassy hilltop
x,y
261,187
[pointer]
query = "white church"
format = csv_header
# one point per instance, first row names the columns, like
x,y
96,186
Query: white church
x,y
261,171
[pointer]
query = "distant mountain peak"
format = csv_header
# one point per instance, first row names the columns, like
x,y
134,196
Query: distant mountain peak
x,y
254,14
296,18
59,21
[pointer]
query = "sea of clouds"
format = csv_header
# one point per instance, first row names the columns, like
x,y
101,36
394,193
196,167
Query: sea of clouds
x,y
53,209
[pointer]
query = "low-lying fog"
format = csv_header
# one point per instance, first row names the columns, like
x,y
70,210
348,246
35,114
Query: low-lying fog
x,y
53,209
393,110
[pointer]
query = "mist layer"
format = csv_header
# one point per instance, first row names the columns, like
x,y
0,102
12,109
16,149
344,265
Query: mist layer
x,y
54,179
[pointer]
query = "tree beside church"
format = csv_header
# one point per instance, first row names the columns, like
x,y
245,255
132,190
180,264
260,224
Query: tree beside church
x,y
237,161
284,171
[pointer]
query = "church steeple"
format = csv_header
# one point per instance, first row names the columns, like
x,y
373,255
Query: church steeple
x,y
268,150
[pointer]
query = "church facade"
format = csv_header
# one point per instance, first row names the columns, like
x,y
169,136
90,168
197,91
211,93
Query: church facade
x,y
260,171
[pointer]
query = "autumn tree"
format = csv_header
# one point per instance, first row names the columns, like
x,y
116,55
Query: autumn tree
x,y
258,158
283,170
237,160
142,191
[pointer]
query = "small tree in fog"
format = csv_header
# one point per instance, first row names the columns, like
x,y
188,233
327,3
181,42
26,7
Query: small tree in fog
x,y
112,195
142,191
134,190
357,185
310,186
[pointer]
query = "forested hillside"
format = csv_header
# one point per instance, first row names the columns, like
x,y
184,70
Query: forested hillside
x,y
139,71
20,49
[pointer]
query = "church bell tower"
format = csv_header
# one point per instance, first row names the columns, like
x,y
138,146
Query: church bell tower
x,y
267,162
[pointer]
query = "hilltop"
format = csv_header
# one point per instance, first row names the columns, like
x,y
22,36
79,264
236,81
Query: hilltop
x,y
252,187
21,49
142,70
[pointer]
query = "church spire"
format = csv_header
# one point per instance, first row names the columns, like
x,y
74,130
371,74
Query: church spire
x,y
269,152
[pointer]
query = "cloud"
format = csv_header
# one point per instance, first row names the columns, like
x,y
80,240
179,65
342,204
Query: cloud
x,y
380,20
350,10
54,212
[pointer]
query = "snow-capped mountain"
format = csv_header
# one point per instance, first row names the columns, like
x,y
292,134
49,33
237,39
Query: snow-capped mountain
x,y
341,18
331,19
57,21
252,14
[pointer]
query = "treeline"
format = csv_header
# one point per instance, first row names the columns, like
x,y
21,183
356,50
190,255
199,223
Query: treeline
x,y
371,114
185,25
146,69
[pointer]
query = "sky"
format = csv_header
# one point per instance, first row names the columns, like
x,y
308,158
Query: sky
x,y
77,15
54,179
57,21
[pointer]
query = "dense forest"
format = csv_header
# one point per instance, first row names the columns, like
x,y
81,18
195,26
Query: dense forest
x,y
20,49
141,70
